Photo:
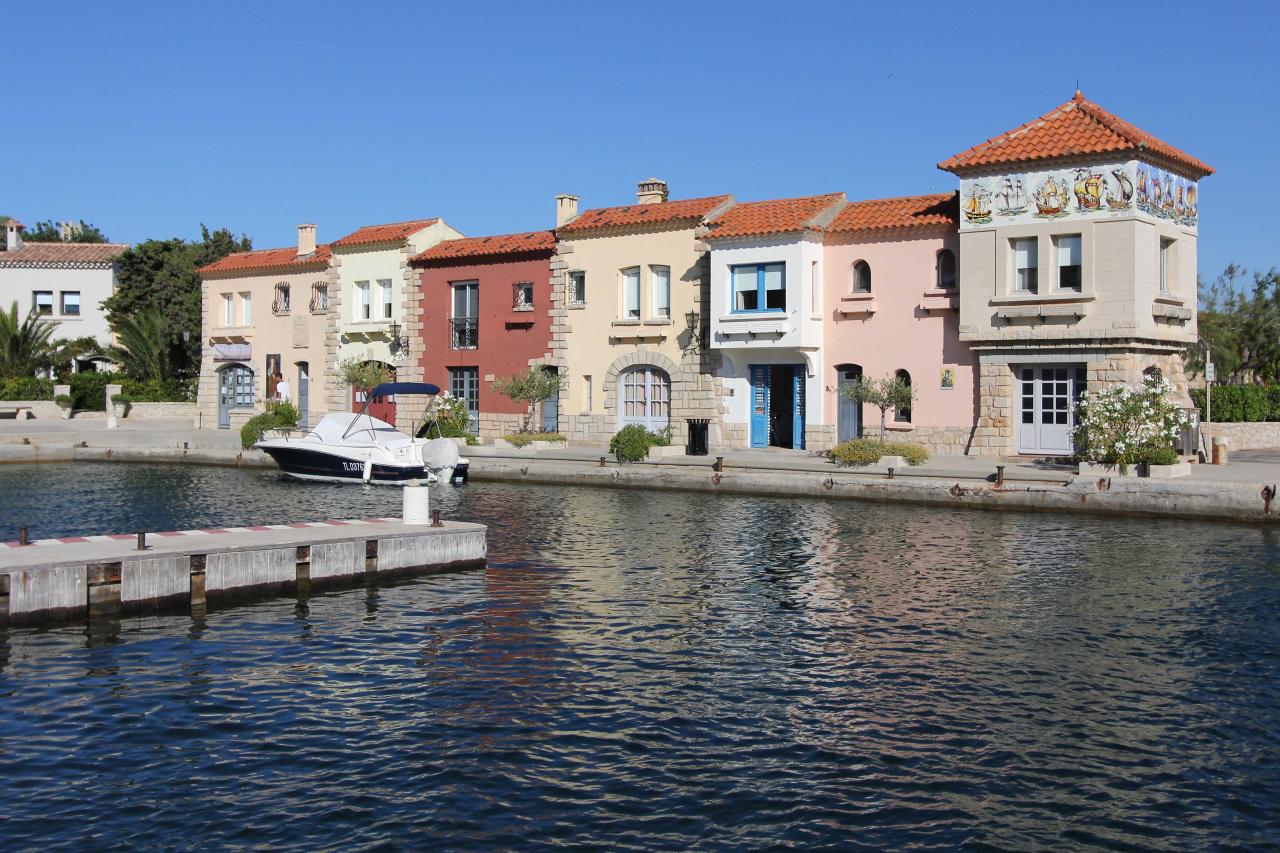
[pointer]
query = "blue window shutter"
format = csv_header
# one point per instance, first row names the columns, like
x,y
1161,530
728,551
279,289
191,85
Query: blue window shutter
x,y
759,405
797,426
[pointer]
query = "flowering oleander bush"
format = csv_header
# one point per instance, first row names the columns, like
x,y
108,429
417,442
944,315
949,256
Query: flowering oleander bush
x,y
446,417
1124,426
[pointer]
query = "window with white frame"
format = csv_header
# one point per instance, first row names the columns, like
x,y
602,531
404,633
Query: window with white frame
x,y
522,296
1166,263
1024,264
228,309
631,293
660,285
71,303
363,296
1069,252
246,308
42,300
281,303
577,288
861,277
759,287
384,289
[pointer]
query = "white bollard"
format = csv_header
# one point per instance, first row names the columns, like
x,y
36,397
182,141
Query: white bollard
x,y
415,509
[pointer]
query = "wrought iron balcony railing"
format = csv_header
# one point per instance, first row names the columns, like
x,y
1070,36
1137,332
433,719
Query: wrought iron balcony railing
x,y
466,332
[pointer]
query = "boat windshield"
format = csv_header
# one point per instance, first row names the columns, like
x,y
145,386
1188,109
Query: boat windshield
x,y
354,428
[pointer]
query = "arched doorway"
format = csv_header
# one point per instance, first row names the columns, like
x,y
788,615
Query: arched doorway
x,y
645,397
382,408
235,391
848,412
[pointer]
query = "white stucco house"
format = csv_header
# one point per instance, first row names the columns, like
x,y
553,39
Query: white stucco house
x,y
65,282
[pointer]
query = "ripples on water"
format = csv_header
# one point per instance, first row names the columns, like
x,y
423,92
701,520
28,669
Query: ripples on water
x,y
649,670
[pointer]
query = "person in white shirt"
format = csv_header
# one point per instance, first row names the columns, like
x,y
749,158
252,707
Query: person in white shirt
x,y
282,390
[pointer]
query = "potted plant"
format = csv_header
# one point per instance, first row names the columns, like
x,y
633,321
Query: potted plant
x,y
64,405
119,404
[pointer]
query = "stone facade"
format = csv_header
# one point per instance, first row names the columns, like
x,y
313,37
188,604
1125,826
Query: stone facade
x,y
939,440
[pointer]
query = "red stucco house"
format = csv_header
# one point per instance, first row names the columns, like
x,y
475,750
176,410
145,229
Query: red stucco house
x,y
486,313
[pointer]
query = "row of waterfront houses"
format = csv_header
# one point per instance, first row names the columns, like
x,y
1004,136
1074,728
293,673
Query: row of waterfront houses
x,y
1064,260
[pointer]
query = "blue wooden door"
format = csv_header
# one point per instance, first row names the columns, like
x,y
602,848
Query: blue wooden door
x,y
759,405
797,420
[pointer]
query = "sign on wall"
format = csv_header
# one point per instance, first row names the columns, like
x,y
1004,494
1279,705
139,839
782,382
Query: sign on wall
x,y
1085,192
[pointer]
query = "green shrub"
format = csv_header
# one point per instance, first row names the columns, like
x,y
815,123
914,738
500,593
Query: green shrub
x,y
277,416
26,388
120,398
1241,403
524,439
89,390
63,400
160,390
631,443
865,451
1159,456
661,438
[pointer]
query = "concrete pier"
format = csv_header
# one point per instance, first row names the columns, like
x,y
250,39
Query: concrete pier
x,y
77,577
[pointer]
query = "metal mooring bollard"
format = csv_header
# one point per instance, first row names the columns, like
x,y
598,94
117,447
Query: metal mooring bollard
x,y
719,464
142,540
435,518
890,473
999,475
24,535
602,461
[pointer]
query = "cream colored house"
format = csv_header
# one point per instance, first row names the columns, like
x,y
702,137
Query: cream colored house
x,y
1077,268
374,311
264,321
629,316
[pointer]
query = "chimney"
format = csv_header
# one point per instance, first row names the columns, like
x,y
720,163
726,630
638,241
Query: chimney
x,y
306,240
566,208
652,191
65,231
13,235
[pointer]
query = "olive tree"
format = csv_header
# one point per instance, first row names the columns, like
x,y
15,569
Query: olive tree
x,y
891,392
530,386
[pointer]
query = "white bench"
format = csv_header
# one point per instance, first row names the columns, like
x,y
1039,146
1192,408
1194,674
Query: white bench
x,y
21,411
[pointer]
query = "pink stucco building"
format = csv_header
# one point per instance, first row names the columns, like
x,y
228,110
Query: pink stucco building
x,y
892,307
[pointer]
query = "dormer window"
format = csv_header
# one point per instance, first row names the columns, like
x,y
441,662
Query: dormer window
x,y
946,269
861,277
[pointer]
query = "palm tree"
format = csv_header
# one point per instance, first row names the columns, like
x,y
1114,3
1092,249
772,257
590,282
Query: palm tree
x,y
142,346
25,347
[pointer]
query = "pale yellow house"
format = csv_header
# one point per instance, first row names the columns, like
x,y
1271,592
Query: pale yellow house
x,y
374,313
263,329
629,316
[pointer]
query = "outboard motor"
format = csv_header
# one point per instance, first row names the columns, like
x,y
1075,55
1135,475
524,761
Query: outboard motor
x,y
441,454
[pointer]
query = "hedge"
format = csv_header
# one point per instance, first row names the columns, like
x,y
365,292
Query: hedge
x,y
26,388
1241,403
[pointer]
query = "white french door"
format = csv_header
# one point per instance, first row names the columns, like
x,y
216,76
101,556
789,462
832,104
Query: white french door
x,y
1047,398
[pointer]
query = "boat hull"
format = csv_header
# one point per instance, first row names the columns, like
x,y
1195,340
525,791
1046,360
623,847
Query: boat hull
x,y
306,463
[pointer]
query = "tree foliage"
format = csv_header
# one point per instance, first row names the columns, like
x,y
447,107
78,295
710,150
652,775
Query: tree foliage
x,y
364,375
26,345
891,392
161,275
1239,324
49,231
530,386
143,348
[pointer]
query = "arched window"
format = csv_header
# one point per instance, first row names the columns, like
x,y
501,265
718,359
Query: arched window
x,y
902,414
645,397
946,269
861,277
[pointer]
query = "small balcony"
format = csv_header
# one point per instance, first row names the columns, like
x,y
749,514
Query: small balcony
x,y
465,333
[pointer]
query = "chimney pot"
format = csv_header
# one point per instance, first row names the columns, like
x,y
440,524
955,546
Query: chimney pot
x,y
566,208
13,235
306,240
651,191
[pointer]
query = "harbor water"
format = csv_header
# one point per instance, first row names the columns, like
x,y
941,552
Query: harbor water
x,y
641,670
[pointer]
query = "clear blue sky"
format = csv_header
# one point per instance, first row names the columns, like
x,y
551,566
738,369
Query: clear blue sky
x,y
148,119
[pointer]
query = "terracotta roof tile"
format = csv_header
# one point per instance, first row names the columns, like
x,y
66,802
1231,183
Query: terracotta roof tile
x,y
916,211
261,260
63,255
777,216
1078,127
392,233
501,244
643,214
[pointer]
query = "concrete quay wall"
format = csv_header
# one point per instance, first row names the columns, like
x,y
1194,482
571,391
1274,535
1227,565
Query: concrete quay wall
x,y
1094,495
58,580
